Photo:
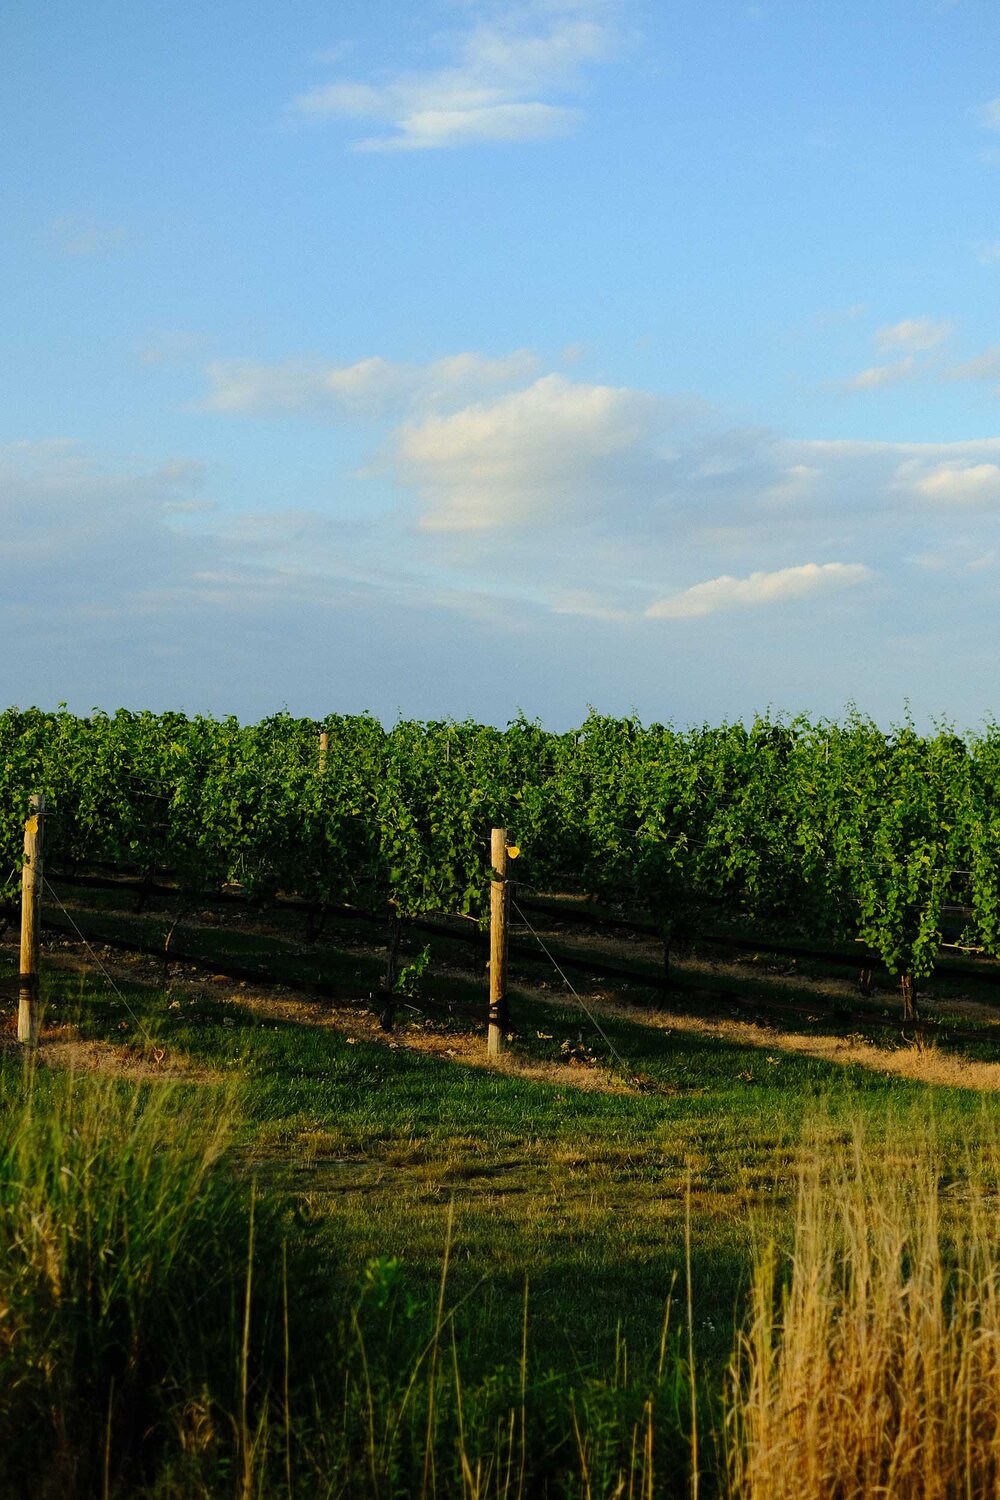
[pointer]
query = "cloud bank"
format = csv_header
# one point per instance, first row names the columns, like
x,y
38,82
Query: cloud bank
x,y
602,501
512,498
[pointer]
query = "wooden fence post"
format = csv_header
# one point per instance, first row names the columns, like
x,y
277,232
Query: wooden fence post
x,y
324,745
499,909
31,900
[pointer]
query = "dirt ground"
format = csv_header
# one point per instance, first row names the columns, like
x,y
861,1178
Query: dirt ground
x,y
139,1057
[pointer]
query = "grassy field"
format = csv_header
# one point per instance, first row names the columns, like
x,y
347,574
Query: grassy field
x,y
600,1205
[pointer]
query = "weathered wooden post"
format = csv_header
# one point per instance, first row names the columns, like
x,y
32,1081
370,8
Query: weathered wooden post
x,y
499,1018
31,900
324,745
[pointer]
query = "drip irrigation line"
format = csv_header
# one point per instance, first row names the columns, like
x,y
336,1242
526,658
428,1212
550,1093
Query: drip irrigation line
x,y
575,993
86,943
343,994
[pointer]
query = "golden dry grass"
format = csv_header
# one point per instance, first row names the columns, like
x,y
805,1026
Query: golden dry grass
x,y
924,1064
871,1363
63,1049
464,1047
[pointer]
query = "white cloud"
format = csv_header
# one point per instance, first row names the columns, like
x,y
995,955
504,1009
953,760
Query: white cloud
x,y
431,128
73,235
556,512
588,605
877,376
796,484
852,448
56,499
957,484
371,387
988,114
334,54
726,593
579,499
910,337
985,366
915,335
834,317
93,540
81,536
552,451
492,92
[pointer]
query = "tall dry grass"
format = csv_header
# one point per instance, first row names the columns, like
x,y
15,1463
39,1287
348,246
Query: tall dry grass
x,y
127,1353
871,1362
168,1334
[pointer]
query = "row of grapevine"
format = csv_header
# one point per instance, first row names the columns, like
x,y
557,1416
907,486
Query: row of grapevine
x,y
825,830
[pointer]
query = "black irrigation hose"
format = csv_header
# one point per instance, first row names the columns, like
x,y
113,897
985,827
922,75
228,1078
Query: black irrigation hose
x,y
348,995
441,929
255,974
946,969
862,1020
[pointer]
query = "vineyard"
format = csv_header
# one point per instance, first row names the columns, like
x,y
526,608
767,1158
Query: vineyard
x,y
276,1222
832,833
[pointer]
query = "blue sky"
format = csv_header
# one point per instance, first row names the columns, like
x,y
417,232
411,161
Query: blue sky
x,y
455,358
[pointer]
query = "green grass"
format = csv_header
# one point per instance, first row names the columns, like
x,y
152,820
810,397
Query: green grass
x,y
582,1195
125,1243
